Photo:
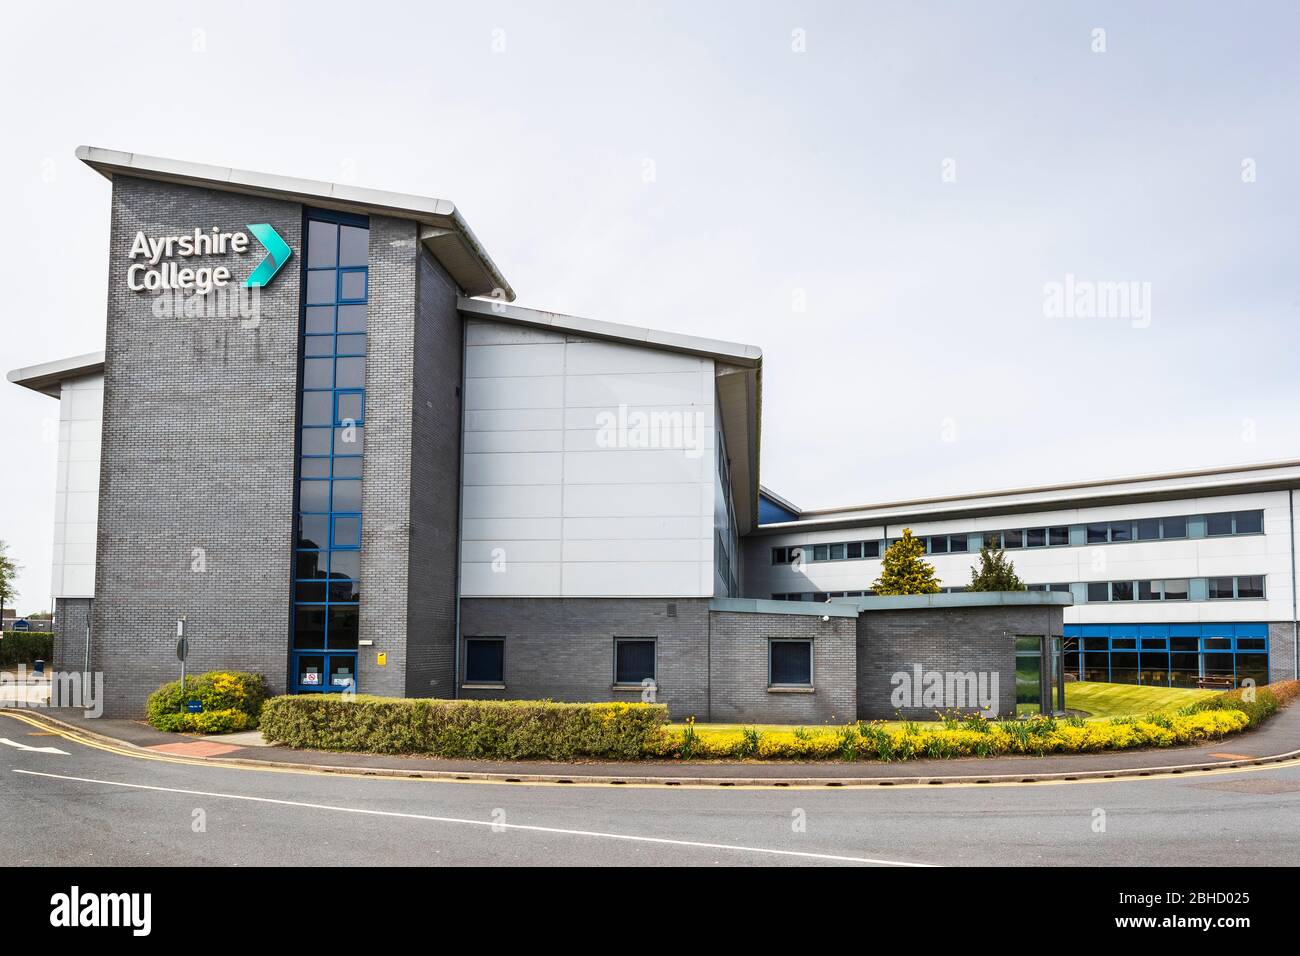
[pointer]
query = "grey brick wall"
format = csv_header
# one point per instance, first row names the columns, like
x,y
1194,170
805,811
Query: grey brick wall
x,y
435,485
71,615
1281,651
739,669
198,446
386,470
563,649
980,639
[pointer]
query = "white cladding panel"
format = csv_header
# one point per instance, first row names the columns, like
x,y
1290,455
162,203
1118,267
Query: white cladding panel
x,y
1268,554
76,492
588,467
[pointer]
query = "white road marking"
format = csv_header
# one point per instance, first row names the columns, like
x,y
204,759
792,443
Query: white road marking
x,y
482,823
36,750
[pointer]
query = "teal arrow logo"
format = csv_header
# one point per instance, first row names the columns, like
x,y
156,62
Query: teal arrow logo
x,y
277,254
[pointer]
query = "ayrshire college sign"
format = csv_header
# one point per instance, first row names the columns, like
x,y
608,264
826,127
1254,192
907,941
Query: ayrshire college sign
x,y
163,269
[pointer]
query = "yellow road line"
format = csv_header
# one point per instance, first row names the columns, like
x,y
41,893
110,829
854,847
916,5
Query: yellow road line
x,y
76,737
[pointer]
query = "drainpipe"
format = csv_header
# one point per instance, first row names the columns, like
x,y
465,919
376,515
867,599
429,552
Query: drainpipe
x,y
460,511
1295,619
708,694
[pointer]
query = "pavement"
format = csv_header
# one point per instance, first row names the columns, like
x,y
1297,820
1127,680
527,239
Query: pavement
x,y
1277,738
69,799
23,688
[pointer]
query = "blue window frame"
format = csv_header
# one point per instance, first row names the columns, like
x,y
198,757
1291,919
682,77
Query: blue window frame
x,y
1168,655
327,576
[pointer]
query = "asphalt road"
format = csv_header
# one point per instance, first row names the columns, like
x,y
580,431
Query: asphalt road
x,y
86,806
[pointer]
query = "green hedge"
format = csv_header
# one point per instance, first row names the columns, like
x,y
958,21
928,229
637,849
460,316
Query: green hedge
x,y
232,700
23,647
502,730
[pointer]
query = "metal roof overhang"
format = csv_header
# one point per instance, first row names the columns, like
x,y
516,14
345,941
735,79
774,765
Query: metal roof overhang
x,y
1211,482
444,231
47,377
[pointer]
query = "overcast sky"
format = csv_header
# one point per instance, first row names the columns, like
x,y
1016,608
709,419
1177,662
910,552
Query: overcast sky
x,y
877,194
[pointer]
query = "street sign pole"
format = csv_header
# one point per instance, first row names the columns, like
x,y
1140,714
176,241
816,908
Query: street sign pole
x,y
182,647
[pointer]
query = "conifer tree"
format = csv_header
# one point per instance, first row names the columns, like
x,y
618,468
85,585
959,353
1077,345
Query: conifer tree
x,y
905,570
995,572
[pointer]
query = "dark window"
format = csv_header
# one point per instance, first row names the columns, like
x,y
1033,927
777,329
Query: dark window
x,y
855,549
1036,538
1098,533
939,544
1098,591
485,660
1184,668
1013,539
780,556
1254,667
871,549
1173,528
1220,589
837,552
343,627
791,663
957,543
1250,586
1121,590
820,552
313,532
1060,536
634,661
1121,531
1218,524
1249,522
1148,590
1148,528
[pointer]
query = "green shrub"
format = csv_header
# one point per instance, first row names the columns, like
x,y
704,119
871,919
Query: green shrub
x,y
232,701
499,730
1258,710
23,647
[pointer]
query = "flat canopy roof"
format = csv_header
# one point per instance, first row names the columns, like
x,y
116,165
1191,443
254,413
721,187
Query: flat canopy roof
x,y
1165,486
48,376
445,234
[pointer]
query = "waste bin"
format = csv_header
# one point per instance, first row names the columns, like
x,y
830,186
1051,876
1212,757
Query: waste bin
x,y
38,668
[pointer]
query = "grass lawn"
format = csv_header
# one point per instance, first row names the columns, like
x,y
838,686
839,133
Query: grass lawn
x,y
1118,700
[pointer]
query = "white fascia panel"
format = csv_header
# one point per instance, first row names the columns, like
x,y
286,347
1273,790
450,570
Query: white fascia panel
x,y
636,579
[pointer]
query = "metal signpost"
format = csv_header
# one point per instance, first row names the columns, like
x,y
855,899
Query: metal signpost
x,y
182,647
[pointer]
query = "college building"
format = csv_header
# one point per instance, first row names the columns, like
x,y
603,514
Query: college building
x,y
323,441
